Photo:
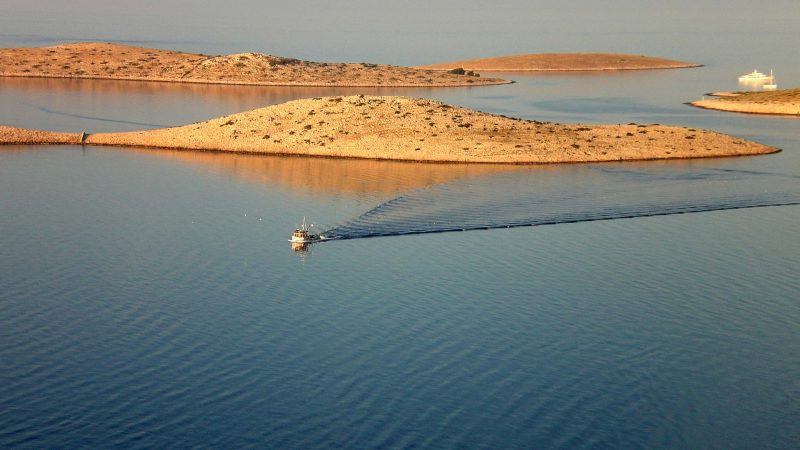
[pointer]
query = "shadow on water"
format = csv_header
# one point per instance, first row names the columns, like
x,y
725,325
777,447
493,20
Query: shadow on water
x,y
597,192
600,105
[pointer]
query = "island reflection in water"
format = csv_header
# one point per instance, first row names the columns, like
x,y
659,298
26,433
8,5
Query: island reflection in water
x,y
328,176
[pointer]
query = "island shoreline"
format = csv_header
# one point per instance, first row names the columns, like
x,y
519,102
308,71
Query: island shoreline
x,y
359,158
697,104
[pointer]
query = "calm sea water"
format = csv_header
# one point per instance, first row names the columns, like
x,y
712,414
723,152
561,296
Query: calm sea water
x,y
149,298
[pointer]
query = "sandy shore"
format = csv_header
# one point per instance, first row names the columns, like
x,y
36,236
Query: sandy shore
x,y
562,62
413,129
122,62
781,102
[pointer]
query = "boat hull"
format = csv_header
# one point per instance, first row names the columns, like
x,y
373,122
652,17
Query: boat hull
x,y
309,240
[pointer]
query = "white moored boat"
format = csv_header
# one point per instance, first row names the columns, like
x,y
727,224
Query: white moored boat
x,y
755,75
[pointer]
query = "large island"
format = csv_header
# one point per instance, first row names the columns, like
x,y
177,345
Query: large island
x,y
412,129
124,62
544,62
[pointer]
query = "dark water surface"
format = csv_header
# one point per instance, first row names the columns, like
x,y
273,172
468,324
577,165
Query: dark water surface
x,y
149,298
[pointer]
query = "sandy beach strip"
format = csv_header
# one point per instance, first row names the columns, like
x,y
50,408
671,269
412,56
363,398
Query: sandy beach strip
x,y
415,129
781,102
544,62
91,60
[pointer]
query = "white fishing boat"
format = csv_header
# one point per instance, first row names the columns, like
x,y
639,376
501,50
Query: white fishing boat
x,y
303,235
756,76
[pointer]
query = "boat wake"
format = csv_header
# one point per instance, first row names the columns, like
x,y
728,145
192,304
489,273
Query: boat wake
x,y
530,198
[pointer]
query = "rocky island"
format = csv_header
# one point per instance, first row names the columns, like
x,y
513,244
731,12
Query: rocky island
x,y
562,62
781,102
412,129
124,62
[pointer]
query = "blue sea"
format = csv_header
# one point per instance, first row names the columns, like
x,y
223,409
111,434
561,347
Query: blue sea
x,y
150,299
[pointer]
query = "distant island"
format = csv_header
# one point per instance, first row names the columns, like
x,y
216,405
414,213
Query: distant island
x,y
561,62
124,62
412,129
783,102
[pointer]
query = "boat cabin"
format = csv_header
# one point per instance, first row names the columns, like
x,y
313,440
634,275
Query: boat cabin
x,y
300,235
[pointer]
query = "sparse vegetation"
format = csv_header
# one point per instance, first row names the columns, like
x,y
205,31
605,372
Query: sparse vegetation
x,y
281,61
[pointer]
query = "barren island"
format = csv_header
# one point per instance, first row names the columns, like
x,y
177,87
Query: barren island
x,y
562,62
412,129
124,62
